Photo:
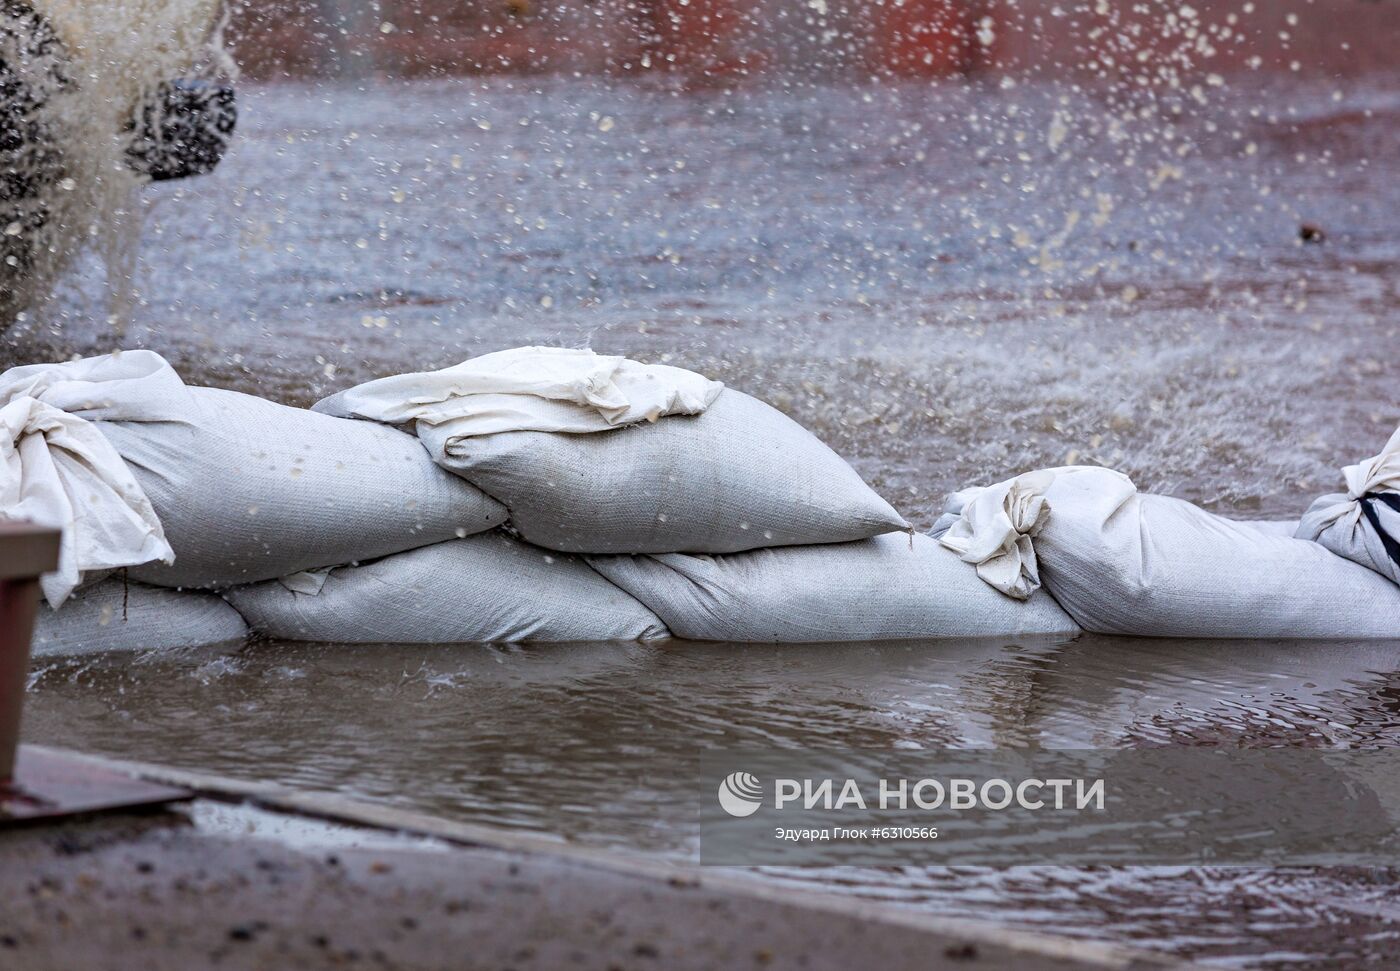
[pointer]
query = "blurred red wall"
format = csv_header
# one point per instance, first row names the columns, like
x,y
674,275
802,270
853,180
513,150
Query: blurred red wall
x,y
720,41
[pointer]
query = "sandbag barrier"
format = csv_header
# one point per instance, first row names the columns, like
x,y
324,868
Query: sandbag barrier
x,y
546,494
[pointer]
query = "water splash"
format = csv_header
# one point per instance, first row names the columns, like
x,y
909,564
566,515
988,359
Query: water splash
x,y
83,70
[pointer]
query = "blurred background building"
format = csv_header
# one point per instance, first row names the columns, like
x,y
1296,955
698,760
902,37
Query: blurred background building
x,y
729,41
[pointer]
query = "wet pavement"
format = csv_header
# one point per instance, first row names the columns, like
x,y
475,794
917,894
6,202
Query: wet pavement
x,y
210,885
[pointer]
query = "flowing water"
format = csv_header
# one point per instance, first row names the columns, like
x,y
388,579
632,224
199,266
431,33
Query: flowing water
x,y
949,283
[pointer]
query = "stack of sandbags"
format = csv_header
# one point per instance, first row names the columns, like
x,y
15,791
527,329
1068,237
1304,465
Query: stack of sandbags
x,y
203,488
1121,562
641,500
739,524
489,587
112,615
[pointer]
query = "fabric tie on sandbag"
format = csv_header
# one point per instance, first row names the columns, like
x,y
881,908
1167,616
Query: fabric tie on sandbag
x,y
1362,524
60,471
994,527
540,389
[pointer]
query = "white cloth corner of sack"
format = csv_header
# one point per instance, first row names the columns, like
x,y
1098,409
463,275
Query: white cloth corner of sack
x,y
994,527
307,582
1363,523
58,470
550,389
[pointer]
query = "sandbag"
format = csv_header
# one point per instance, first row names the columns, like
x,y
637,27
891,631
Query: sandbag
x,y
110,615
1363,523
248,490
884,588
1271,527
490,587
739,476
57,469
1121,562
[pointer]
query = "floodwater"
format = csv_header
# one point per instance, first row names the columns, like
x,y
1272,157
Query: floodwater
x,y
596,743
949,283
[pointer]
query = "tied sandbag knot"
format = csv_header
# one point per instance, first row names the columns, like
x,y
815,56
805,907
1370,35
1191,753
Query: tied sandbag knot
x,y
993,527
1362,524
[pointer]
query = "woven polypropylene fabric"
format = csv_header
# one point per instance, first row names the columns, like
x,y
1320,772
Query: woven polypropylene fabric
x,y
249,490
483,588
114,616
874,589
1339,523
1159,566
739,476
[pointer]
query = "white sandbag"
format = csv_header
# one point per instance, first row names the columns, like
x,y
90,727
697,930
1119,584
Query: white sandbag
x,y
884,588
248,490
114,616
740,476
541,389
483,588
1363,524
543,430
57,470
1125,563
1271,527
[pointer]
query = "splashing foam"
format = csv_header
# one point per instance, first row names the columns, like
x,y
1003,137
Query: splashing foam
x,y
85,68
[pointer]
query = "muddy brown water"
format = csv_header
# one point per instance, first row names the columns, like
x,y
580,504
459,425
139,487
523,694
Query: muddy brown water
x,y
596,743
949,283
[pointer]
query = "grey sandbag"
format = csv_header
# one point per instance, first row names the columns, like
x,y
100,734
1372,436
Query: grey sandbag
x,y
248,489
884,588
739,476
490,587
114,616
1122,562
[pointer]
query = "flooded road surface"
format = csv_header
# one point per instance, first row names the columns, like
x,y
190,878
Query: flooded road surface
x,y
597,744
949,283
